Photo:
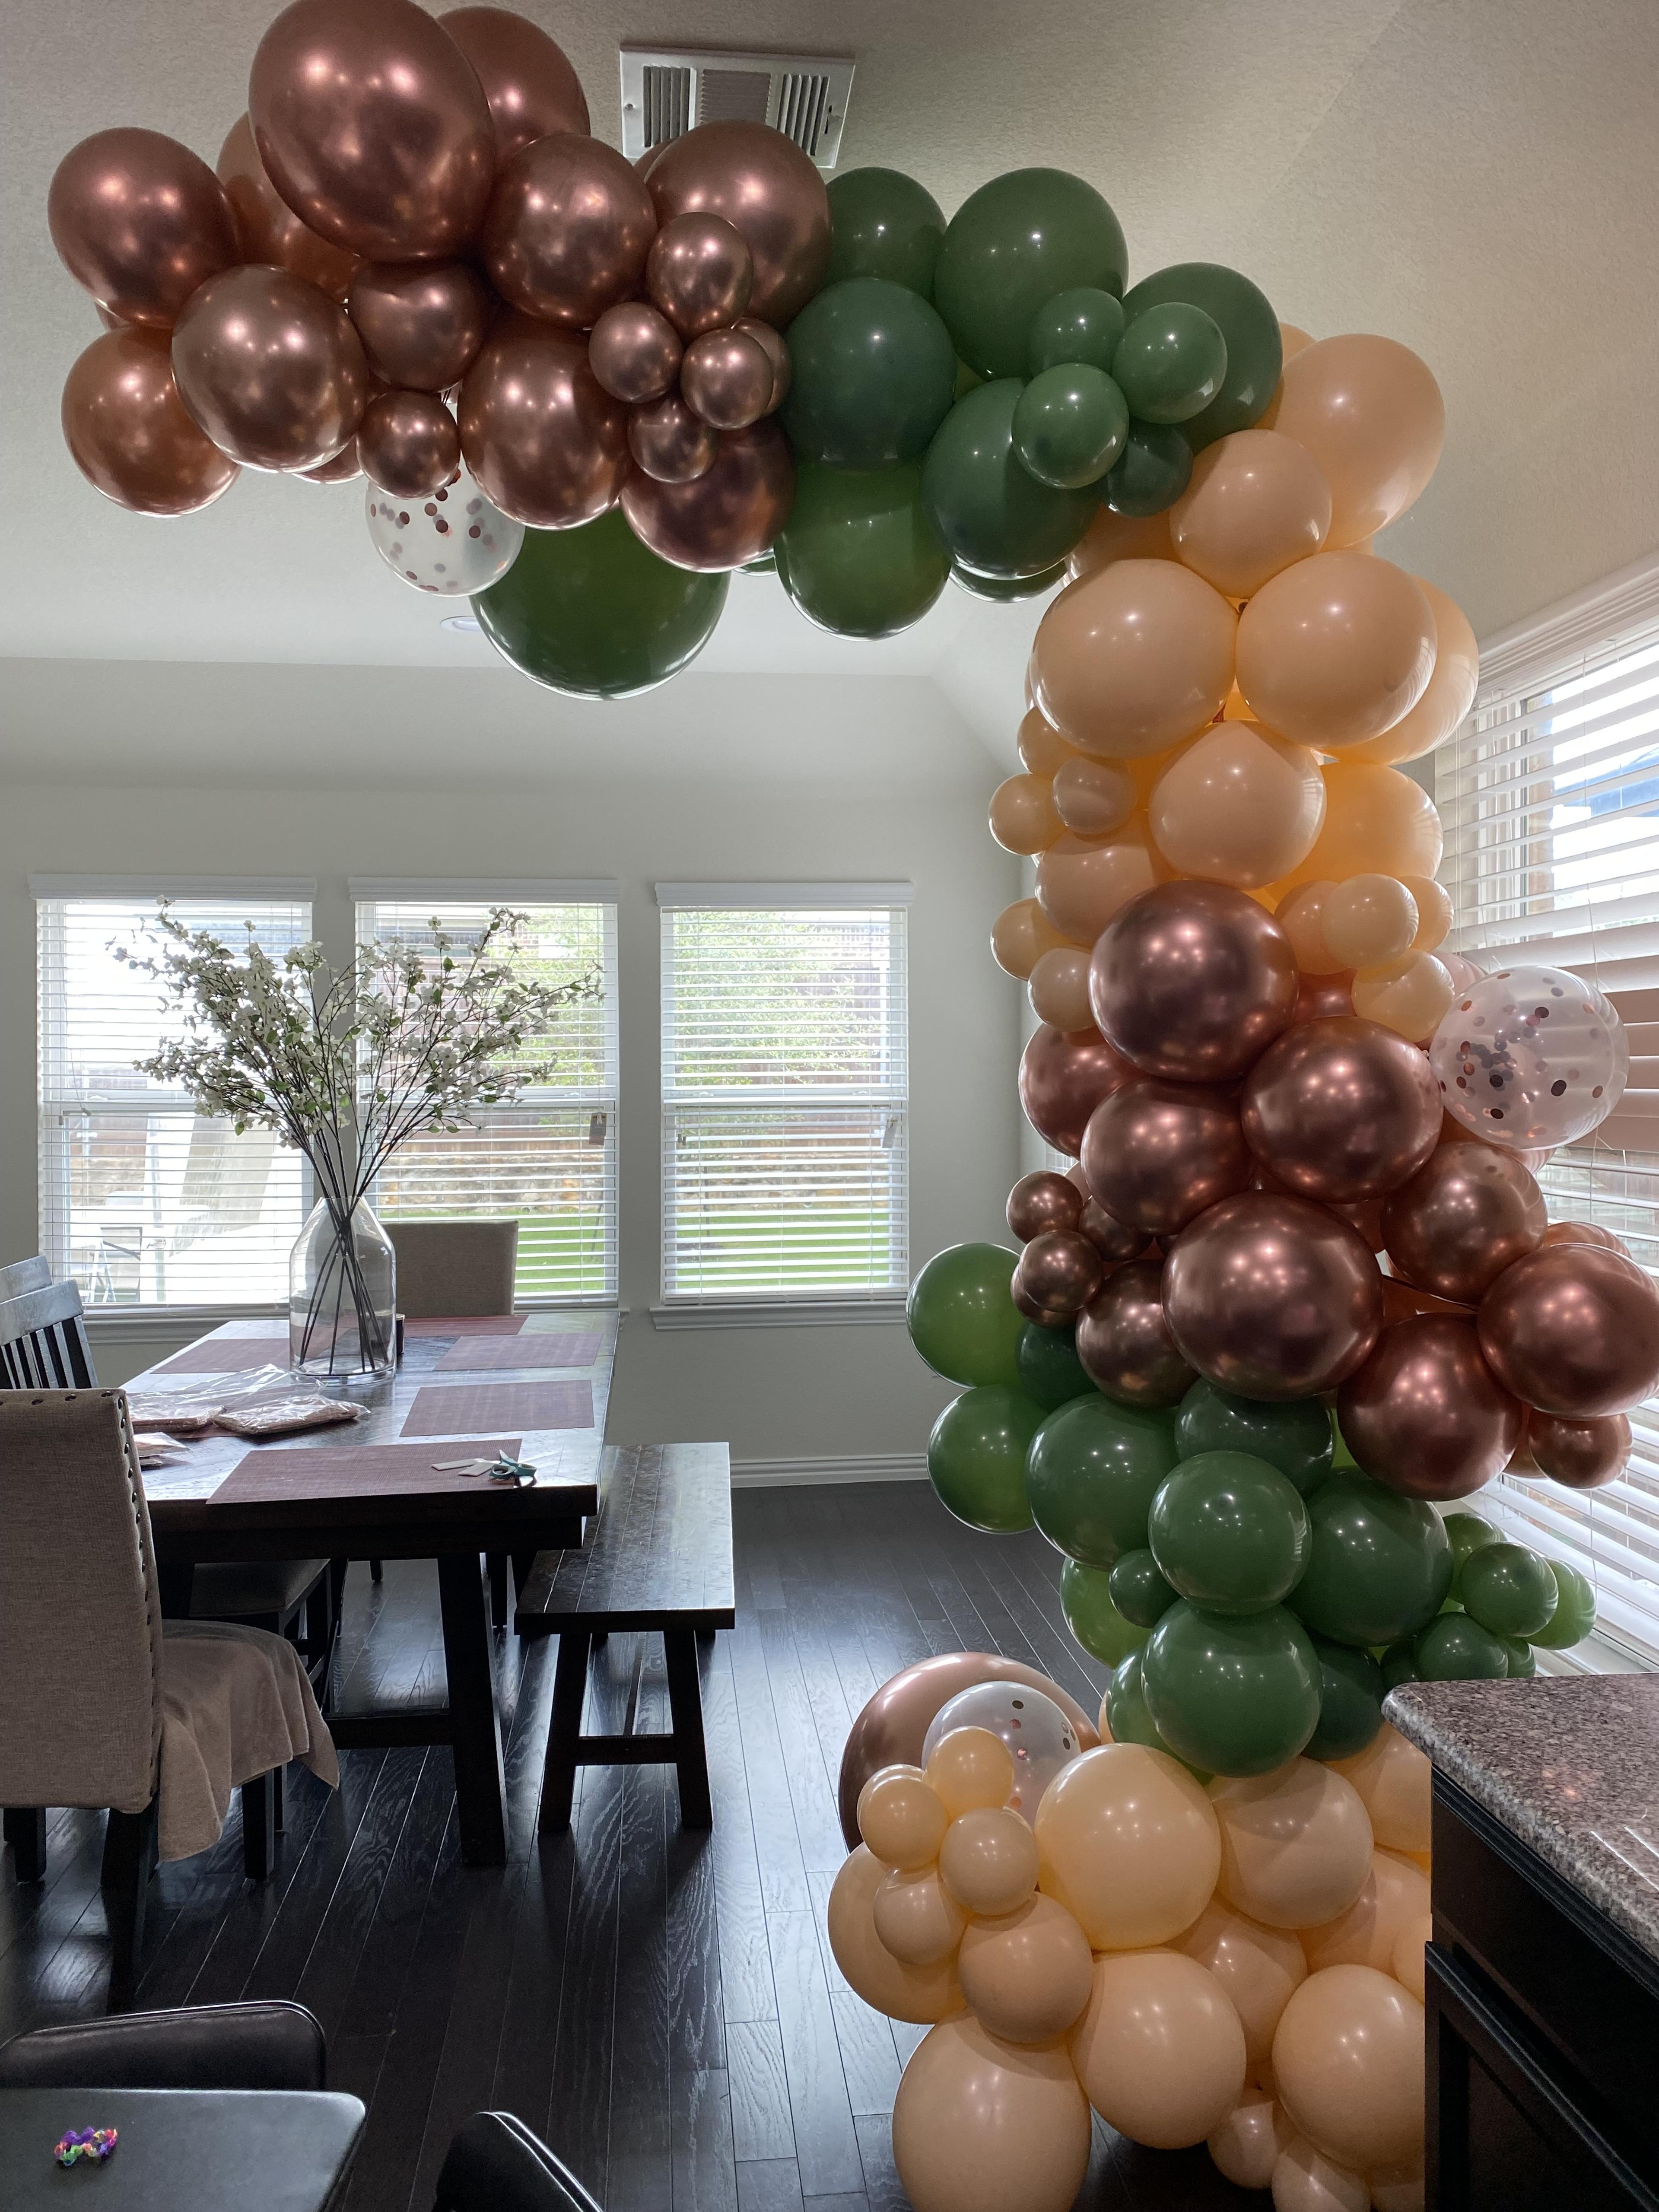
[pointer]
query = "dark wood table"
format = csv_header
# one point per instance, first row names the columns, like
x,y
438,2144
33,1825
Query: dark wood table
x,y
376,1494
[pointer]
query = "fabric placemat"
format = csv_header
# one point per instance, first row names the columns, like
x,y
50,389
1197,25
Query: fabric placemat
x,y
280,1473
477,1409
466,1325
572,1349
226,1355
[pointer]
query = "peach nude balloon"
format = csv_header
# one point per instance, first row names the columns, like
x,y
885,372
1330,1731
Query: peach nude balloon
x,y
1305,2180
1293,340
1081,882
1092,796
1295,1846
1028,1975
1406,1962
1301,915
971,1768
1410,996
1022,817
917,1994
1120,537
1449,693
901,1819
916,1917
1245,2146
1238,805
1434,913
1020,935
1130,1844
1370,414
1397,2188
1348,2061
1135,658
1060,989
1335,649
1257,1967
1368,920
1393,1780
1396,1894
1257,501
1041,749
989,1860
980,2125
1376,820
1160,2052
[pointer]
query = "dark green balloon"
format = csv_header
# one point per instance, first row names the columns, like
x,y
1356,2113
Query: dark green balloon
x,y
1002,589
1126,1710
1093,1471
1049,1369
1575,1610
1152,471
592,613
962,1318
763,564
1171,362
1295,1437
1519,1655
1351,1694
1399,1663
1229,1533
1380,1564
1138,1591
1456,1648
1084,324
872,375
992,513
1086,1600
976,1457
1236,1693
1069,425
1466,1532
1009,248
1509,1589
967,381
1247,322
858,555
883,223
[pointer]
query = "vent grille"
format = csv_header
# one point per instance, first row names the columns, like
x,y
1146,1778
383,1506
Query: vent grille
x,y
664,94
666,104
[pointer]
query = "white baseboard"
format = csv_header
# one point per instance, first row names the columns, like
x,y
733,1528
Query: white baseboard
x,y
870,1467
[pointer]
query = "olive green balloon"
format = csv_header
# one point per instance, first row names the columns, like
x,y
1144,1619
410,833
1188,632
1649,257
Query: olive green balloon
x,y
1245,318
1152,471
763,564
976,1457
1351,1694
1138,1591
1295,1437
1229,1533
1127,1715
1523,1664
1466,1532
967,381
963,1319
858,555
1236,1693
1341,1455
1399,1663
1002,589
1509,1589
872,375
1379,1565
1049,1369
1456,1648
1171,362
1575,1610
992,513
883,223
1093,1471
1085,324
592,613
1092,1618
1070,424
1009,248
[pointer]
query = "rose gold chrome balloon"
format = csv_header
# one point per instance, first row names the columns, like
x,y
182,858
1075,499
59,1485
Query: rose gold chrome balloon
x,y
1322,998
893,1726
1042,1201
531,89
1058,1271
699,273
567,230
373,127
1425,1414
131,435
1274,1298
141,222
777,352
271,368
1342,1109
421,322
734,511
1573,1330
1402,1301
767,189
1157,1153
1580,1455
268,228
726,379
1192,982
1583,1232
344,468
1063,1076
1114,1240
407,443
1468,1213
669,443
544,442
634,352
1124,1341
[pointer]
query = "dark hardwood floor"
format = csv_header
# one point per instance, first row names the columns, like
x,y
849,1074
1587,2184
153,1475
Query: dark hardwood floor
x,y
661,2007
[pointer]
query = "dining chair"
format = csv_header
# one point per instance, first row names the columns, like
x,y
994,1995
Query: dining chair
x,y
495,2164
43,1337
268,2044
21,1275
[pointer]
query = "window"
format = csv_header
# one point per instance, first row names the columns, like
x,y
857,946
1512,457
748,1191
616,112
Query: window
x,y
1550,799
784,1091
143,1201
551,1159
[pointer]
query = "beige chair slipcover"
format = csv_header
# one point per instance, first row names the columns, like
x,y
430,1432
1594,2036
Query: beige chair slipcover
x,y
454,1266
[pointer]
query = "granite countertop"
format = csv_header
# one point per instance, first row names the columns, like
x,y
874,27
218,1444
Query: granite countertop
x,y
1570,1765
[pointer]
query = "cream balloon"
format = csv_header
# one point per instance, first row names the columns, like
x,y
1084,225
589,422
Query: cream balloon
x,y
1239,806
917,1918
1081,882
1059,989
1022,817
1120,537
1028,1975
980,2125
1407,1964
918,1994
1335,649
1245,2146
1410,996
1396,1893
1451,692
1296,1845
1394,1782
1397,2188
1348,2060
1368,920
1257,501
1370,414
1305,2180
1129,1845
1093,797
989,1861
1159,2051
1376,822
1041,749
1135,658
900,1818
970,1767
1434,913
1258,1968
1301,915
1020,935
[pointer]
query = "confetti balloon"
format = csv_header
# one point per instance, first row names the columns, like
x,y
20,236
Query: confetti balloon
x,y
453,543
1038,1734
1530,1057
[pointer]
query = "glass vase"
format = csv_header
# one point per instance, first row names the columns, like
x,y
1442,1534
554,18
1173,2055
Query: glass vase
x,y
342,1296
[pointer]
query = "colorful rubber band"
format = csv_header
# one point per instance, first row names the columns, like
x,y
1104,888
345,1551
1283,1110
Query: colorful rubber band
x,y
85,2142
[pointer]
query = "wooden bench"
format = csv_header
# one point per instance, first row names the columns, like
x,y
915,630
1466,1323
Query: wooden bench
x,y
657,1556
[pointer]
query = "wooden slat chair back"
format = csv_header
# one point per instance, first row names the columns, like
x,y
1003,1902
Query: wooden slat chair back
x,y
43,1341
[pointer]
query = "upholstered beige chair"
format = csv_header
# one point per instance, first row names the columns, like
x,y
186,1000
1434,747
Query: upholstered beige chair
x,y
101,1703
447,1268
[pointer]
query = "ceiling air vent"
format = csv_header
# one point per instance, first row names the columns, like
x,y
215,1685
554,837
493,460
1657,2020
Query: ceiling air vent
x,y
664,95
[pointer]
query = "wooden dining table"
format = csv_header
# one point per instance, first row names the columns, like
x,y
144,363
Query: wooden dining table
x,y
534,1385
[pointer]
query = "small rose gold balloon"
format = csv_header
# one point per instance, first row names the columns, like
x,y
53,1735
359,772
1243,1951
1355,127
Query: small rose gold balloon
x,y
131,435
344,468
1114,1240
1042,1201
567,229
634,352
407,443
777,352
726,379
1058,1271
1468,1213
1580,1455
1192,982
1063,1076
421,322
544,442
1323,998
141,222
1573,1330
731,513
769,189
1156,1154
531,89
1342,1109
1425,1414
699,273
1584,1232
669,443
271,368
1124,1341
268,228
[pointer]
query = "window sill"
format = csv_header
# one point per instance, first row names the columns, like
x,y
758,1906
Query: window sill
x,y
781,1313
151,1321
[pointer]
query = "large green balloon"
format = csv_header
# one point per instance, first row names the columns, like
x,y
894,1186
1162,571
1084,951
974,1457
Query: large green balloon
x,y
594,614
883,223
1171,362
962,1318
1049,1369
1399,1663
1069,425
858,555
1229,1533
1509,1589
1126,1710
1092,1618
976,1457
1138,1590
1239,1694
1093,1471
1380,1564
1082,325
1294,1436
1456,1648
1247,322
1152,471
1009,248
1002,590
1575,1610
1351,1694
992,513
872,375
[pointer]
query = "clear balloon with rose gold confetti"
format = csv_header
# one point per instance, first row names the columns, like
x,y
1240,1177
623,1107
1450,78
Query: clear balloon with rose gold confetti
x,y
453,543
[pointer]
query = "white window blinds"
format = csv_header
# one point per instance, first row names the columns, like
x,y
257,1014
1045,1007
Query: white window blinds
x,y
1550,799
784,1091
550,1159
143,1202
